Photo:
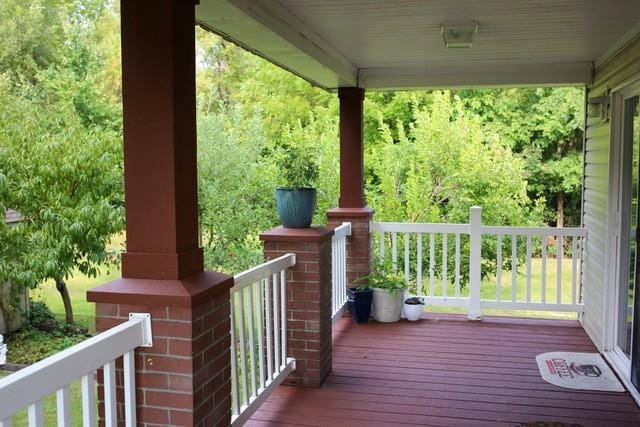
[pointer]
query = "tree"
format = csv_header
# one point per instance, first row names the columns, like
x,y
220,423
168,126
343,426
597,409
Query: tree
x,y
544,126
66,180
446,163
60,146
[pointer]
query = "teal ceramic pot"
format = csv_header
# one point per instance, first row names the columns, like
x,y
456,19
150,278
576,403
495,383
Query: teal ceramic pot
x,y
296,206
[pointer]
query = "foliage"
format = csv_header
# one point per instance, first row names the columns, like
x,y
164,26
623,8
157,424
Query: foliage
x,y
236,186
545,127
384,277
429,155
42,336
298,167
446,163
60,144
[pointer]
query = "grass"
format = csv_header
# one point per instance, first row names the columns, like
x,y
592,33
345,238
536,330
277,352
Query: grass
x,y
85,311
20,418
78,285
489,290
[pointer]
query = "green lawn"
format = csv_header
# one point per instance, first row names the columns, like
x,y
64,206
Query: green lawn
x,y
85,311
20,419
78,285
489,290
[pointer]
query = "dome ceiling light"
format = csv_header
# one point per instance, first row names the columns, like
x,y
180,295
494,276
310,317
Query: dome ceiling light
x,y
459,34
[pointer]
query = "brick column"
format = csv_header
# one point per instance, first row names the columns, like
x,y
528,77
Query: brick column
x,y
359,244
308,299
184,379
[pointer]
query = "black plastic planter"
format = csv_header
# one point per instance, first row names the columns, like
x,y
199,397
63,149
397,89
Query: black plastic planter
x,y
359,304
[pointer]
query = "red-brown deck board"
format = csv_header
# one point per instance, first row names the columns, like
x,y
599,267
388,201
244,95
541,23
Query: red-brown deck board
x,y
447,371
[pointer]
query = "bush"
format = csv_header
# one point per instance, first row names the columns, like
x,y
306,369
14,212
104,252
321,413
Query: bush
x,y
42,336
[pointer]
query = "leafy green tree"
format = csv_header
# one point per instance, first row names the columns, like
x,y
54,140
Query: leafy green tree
x,y
446,163
66,180
545,127
60,144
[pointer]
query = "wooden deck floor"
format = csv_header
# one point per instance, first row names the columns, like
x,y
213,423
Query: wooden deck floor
x,y
446,371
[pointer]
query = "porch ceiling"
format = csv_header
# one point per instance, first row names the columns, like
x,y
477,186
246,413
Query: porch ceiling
x,y
378,44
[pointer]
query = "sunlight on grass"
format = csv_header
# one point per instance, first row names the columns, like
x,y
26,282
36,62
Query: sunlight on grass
x,y
489,290
79,284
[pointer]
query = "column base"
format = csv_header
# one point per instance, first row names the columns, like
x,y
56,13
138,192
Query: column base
x,y
308,299
184,379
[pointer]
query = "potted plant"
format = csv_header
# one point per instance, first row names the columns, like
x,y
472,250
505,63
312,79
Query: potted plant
x,y
388,292
359,303
296,199
413,308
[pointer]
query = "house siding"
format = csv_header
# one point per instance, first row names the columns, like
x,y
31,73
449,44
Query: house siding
x,y
621,67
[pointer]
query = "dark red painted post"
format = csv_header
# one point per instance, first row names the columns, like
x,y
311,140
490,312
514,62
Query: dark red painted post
x,y
352,205
184,379
351,147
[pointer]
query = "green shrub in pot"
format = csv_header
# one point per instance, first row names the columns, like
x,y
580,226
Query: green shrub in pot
x,y
296,200
388,292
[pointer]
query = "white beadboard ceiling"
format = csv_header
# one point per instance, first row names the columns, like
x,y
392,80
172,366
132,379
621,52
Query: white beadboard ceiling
x,y
380,44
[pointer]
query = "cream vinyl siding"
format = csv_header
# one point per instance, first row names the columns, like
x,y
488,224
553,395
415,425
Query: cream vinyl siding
x,y
612,73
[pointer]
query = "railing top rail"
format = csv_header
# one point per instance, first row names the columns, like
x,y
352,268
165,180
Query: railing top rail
x,y
534,231
408,227
34,382
342,231
262,271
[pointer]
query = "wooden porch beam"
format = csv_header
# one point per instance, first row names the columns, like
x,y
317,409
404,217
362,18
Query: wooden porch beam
x,y
466,76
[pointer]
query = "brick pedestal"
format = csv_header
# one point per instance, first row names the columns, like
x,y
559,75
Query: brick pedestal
x,y
184,379
308,299
359,244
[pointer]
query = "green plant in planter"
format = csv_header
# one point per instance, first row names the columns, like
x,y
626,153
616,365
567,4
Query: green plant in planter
x,y
384,277
299,168
388,292
296,200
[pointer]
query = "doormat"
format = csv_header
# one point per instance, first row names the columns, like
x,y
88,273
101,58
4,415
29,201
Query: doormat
x,y
579,371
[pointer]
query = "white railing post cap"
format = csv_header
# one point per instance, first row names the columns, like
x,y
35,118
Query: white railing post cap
x,y
146,327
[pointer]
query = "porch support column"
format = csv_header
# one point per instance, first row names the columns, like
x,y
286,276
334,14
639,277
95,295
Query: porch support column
x,y
352,205
351,147
308,299
184,379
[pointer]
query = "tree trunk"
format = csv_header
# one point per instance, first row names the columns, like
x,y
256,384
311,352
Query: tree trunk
x,y
61,286
560,210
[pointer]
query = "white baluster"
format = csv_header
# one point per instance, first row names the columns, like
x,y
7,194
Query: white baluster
x,y
36,414
457,266
88,401
559,272
543,285
499,268
63,407
514,266
445,238
419,265
528,269
129,365
475,259
111,414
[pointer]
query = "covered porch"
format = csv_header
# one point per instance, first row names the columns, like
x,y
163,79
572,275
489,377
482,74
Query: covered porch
x,y
204,348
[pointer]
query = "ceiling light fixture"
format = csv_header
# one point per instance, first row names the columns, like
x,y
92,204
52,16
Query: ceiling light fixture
x,y
459,34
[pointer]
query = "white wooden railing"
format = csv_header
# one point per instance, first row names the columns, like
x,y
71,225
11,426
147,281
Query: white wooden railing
x,y
445,289
28,387
3,352
259,361
339,270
